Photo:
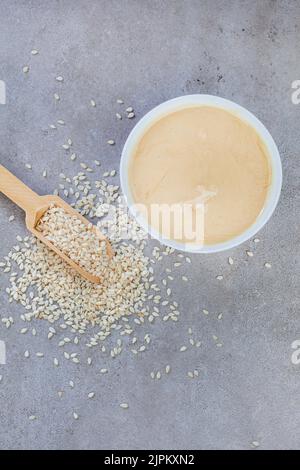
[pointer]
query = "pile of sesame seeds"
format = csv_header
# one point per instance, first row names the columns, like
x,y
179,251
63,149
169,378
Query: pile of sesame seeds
x,y
49,289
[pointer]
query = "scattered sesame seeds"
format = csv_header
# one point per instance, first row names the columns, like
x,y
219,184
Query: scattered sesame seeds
x,y
93,103
28,166
34,52
120,101
60,78
111,142
230,260
11,218
32,418
75,415
25,69
91,395
250,253
268,265
183,348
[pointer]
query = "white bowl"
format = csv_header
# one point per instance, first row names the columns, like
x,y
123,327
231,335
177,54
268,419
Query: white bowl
x,y
209,100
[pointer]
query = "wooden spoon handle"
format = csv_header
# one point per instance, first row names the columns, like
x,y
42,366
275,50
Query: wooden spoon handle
x,y
17,191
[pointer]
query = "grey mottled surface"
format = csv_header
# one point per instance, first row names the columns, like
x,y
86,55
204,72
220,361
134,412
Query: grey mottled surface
x,y
146,52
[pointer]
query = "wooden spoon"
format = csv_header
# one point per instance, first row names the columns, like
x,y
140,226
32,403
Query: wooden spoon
x,y
35,206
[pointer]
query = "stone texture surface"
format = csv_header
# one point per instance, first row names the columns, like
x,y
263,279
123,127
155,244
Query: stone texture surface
x,y
146,52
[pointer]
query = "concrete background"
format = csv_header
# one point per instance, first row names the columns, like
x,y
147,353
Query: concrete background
x,y
146,52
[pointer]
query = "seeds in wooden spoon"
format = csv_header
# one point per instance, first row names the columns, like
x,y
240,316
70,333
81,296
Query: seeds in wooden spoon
x,y
79,241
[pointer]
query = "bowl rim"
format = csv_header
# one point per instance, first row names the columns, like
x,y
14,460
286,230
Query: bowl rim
x,y
196,100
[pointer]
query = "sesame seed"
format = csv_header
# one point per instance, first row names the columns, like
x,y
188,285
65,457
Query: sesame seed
x,y
255,444
124,406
